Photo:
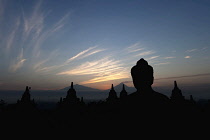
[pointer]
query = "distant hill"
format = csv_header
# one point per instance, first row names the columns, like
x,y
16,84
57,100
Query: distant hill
x,y
78,87
118,88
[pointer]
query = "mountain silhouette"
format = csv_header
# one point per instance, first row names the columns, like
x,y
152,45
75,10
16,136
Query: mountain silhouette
x,y
79,88
118,88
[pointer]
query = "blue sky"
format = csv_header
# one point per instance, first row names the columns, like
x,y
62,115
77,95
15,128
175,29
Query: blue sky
x,y
49,44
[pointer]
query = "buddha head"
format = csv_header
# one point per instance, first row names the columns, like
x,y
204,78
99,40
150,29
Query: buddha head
x,y
142,75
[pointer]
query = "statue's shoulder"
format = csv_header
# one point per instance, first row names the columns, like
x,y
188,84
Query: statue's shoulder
x,y
161,96
133,94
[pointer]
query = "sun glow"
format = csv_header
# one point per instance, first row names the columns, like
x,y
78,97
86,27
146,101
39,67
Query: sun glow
x,y
103,69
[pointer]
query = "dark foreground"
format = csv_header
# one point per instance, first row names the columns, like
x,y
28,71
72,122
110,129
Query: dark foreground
x,y
107,118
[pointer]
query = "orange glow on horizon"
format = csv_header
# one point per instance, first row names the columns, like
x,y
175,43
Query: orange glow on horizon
x,y
99,86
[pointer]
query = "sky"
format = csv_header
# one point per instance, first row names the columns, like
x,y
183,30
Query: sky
x,y
47,44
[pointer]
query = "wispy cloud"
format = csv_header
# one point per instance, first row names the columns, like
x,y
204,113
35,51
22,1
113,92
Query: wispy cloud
x,y
134,48
113,76
103,66
187,57
145,53
44,35
153,57
36,30
192,50
204,48
93,52
18,63
38,65
104,70
170,57
48,69
185,76
11,37
57,26
165,63
10,40
30,32
34,22
81,55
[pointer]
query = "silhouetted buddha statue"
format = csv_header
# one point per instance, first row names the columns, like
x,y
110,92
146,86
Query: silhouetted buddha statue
x,y
142,75
144,107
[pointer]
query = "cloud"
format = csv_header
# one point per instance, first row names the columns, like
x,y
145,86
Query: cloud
x,y
57,26
34,22
10,40
187,57
113,76
38,65
11,37
170,57
192,50
45,34
94,52
134,48
185,76
18,63
33,32
80,54
204,48
153,57
145,53
103,69
48,33
83,54
35,29
165,63
47,69
127,82
103,66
